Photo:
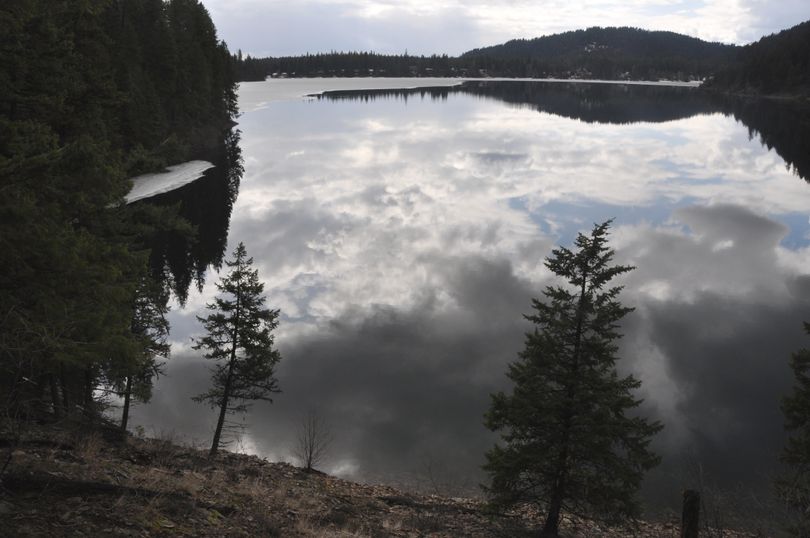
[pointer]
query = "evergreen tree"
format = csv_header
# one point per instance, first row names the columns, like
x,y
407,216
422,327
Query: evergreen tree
x,y
240,342
91,93
569,444
794,487
150,331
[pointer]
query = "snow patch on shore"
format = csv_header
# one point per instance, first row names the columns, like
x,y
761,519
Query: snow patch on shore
x,y
174,177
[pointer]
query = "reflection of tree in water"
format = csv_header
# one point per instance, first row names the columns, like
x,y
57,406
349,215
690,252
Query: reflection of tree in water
x,y
783,126
598,103
592,103
434,93
206,204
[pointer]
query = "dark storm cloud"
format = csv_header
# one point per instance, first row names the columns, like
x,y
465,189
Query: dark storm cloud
x,y
405,388
171,410
400,389
730,320
733,368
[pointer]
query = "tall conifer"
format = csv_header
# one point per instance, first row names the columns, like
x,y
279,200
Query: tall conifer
x,y
794,486
240,342
570,441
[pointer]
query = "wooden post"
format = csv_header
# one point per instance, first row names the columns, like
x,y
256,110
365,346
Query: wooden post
x,y
690,520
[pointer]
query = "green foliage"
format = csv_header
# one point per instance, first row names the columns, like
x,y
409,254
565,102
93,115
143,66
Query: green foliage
x,y
240,342
794,486
175,77
345,64
776,64
607,53
91,92
132,370
570,443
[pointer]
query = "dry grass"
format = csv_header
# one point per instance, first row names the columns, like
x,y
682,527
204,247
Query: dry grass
x,y
157,487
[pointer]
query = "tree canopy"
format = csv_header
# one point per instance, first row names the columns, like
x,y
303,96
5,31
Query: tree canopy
x,y
607,53
776,64
571,439
240,342
794,485
91,93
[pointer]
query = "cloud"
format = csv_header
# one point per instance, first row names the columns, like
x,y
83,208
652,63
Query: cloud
x,y
404,387
399,387
772,17
283,28
451,26
404,242
727,324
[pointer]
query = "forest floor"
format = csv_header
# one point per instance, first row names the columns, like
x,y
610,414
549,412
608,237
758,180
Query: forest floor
x,y
61,481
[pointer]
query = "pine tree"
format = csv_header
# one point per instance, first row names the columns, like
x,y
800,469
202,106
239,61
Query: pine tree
x,y
150,331
240,342
89,97
569,444
794,487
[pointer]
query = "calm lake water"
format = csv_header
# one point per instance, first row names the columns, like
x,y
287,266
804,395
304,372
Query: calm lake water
x,y
402,234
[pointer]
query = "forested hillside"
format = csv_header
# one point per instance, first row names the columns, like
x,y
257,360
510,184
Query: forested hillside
x,y
607,53
776,64
92,93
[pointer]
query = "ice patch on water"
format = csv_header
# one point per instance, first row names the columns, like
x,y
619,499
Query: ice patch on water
x,y
174,177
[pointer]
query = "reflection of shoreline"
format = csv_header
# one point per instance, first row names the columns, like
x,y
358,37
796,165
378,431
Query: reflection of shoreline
x,y
462,81
611,103
658,83
205,204
783,126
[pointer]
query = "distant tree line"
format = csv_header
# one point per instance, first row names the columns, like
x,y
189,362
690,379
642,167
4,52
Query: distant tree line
x,y
776,64
92,93
607,53
347,64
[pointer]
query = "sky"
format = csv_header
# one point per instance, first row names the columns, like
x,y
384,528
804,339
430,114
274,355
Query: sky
x,y
280,27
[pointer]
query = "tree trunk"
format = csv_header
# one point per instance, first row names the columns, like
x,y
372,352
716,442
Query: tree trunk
x,y
127,398
226,392
223,409
690,519
88,392
63,383
55,397
41,385
552,525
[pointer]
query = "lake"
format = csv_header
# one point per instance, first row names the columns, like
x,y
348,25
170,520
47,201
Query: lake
x,y
402,234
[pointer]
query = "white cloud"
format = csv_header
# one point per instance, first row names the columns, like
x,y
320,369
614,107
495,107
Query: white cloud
x,y
402,242
272,27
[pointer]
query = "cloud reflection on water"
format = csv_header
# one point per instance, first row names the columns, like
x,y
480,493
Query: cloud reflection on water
x,y
403,241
